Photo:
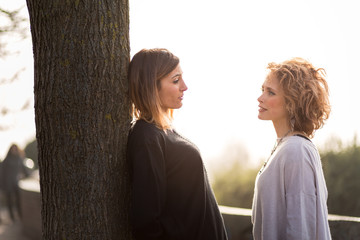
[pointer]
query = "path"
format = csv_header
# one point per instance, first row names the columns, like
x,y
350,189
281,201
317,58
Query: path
x,y
10,230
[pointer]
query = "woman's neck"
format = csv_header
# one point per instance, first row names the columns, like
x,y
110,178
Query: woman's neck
x,y
282,129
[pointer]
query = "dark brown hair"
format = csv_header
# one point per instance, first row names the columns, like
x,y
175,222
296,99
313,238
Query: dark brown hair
x,y
146,69
14,150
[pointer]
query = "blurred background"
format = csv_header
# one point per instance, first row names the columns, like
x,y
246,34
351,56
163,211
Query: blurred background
x,y
224,48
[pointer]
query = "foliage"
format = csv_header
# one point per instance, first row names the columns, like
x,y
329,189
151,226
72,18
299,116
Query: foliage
x,y
233,185
14,28
11,24
342,174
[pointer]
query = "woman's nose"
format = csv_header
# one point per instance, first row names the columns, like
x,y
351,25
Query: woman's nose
x,y
184,87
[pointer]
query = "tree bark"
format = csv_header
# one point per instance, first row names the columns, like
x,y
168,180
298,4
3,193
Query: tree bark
x,y
81,56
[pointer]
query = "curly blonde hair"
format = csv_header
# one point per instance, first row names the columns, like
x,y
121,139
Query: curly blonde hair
x,y
306,94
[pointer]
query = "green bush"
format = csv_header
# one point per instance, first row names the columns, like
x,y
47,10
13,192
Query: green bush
x,y
342,174
234,178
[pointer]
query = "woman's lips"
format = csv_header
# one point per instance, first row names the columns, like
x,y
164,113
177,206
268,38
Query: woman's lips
x,y
261,109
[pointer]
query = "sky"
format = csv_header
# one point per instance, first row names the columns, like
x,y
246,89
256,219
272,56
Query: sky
x,y
224,48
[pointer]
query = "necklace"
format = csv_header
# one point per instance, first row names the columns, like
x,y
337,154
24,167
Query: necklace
x,y
277,143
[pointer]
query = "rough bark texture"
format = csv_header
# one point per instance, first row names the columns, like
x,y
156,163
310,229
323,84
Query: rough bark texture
x,y
81,56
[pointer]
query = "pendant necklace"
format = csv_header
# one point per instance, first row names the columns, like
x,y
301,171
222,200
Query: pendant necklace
x,y
277,143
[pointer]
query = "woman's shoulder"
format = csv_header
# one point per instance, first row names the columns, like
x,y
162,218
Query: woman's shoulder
x,y
295,147
297,143
142,125
145,131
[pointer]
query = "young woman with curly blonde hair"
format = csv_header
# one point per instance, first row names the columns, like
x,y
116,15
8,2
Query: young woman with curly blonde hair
x,y
290,190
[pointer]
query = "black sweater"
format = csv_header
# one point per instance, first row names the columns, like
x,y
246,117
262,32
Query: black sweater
x,y
172,197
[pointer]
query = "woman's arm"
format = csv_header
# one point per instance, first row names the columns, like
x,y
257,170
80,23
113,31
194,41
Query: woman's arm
x,y
300,193
148,186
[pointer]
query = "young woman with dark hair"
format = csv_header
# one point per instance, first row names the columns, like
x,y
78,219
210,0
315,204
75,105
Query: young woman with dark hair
x,y
171,194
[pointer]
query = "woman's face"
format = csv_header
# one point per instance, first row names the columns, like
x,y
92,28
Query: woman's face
x,y
172,89
272,101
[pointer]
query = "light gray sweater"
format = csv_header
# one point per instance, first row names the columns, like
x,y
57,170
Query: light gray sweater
x,y
290,194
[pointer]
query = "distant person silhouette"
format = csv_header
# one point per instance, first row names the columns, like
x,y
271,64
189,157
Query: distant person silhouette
x,y
11,171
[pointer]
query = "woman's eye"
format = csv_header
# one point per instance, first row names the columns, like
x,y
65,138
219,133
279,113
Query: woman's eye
x,y
176,80
271,93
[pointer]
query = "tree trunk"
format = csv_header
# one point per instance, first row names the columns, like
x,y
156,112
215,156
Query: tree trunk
x,y
81,56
